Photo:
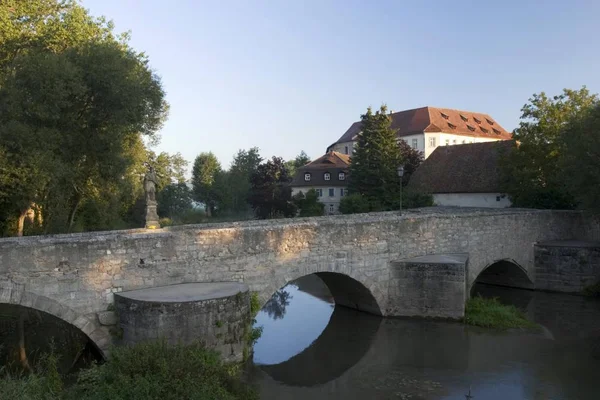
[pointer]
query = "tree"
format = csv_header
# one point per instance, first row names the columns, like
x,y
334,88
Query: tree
x,y
270,194
245,163
375,161
206,168
309,204
174,199
581,161
411,159
354,204
79,110
532,173
301,160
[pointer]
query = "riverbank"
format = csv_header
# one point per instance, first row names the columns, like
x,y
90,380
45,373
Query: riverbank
x,y
148,371
491,313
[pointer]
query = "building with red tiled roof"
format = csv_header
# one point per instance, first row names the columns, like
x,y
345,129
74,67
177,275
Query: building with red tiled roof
x,y
465,175
426,128
328,175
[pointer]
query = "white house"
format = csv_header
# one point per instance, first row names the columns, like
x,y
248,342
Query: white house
x,y
328,175
466,175
427,128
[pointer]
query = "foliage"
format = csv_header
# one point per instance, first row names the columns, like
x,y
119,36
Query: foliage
x,y
174,200
411,159
277,304
309,204
490,313
244,164
254,304
411,199
581,161
354,204
592,290
206,167
301,160
375,161
532,173
270,194
150,370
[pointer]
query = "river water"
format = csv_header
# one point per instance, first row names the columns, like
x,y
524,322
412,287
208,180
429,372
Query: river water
x,y
311,349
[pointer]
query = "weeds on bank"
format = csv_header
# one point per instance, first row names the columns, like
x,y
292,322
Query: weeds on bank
x,y
490,313
145,371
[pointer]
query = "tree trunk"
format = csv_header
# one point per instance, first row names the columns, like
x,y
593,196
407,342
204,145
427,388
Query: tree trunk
x,y
21,222
74,211
22,352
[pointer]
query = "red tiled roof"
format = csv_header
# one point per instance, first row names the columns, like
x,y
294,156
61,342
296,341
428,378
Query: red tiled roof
x,y
463,168
433,119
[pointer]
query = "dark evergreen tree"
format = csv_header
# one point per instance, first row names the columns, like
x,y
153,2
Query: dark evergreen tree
x,y
375,161
270,193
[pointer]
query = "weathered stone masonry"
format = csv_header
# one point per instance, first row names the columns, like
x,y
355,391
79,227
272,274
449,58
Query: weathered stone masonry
x,y
75,276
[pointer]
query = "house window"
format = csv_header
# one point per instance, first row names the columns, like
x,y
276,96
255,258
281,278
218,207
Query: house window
x,y
331,208
342,192
454,141
327,176
345,149
431,142
415,143
319,192
307,177
447,142
464,141
342,176
331,192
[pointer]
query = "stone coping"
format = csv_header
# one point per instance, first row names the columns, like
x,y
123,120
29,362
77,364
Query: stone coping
x,y
410,214
451,258
185,292
569,243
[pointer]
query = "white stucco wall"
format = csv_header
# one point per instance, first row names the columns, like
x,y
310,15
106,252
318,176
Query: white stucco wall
x,y
441,138
341,147
420,138
325,199
488,200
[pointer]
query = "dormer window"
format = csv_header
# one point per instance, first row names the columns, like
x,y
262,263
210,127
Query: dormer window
x,y
306,177
496,131
451,125
327,176
471,128
446,116
342,176
477,120
464,118
489,121
484,130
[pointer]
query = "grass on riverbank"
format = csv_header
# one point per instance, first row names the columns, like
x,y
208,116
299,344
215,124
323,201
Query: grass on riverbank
x,y
148,371
490,313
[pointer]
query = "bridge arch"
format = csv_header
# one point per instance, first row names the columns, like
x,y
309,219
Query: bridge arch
x,y
98,335
345,290
505,272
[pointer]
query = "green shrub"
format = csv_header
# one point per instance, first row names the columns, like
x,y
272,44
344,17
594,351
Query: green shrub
x,y
490,313
165,222
354,204
412,199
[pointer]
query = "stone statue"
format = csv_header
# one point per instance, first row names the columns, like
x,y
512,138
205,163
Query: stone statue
x,y
151,204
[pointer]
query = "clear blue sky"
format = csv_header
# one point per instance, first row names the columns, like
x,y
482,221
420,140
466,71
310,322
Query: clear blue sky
x,y
287,75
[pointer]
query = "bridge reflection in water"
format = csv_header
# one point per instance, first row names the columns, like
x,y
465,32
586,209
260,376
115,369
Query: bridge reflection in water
x,y
358,356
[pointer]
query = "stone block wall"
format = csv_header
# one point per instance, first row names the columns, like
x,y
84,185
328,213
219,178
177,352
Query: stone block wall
x,y
567,266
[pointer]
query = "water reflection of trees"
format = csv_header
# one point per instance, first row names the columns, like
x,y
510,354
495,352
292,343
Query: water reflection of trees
x,y
276,306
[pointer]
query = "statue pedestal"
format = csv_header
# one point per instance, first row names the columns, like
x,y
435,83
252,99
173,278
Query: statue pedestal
x,y
151,215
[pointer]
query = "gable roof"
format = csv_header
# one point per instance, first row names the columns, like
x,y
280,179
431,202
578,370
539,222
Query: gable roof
x,y
433,119
332,162
463,168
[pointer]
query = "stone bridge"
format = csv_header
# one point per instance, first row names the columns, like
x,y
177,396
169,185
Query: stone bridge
x,y
366,260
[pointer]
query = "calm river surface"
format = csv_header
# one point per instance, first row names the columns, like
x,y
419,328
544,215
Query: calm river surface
x,y
311,349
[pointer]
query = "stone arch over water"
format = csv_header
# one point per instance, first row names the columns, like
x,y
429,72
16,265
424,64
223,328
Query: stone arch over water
x,y
345,290
98,335
505,272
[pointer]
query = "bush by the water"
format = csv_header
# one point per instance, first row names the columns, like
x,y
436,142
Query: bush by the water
x,y
146,371
490,313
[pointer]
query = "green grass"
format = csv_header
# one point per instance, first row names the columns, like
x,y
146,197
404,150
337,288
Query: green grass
x,y
146,371
490,313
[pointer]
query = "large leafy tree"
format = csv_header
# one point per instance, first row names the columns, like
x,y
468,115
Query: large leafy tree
x,y
375,161
204,173
581,161
270,193
532,173
411,159
309,204
245,163
81,109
